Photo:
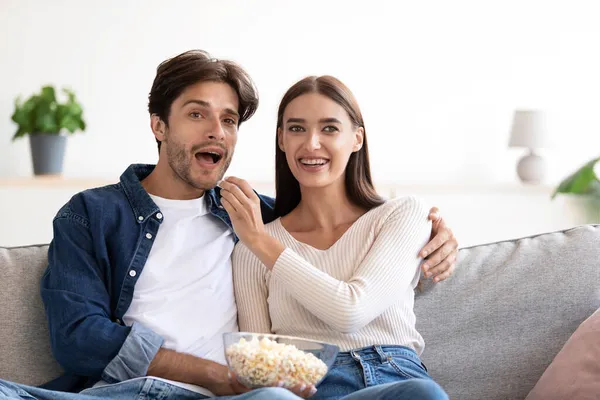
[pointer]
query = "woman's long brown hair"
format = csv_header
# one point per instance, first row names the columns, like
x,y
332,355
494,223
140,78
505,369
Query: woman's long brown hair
x,y
359,185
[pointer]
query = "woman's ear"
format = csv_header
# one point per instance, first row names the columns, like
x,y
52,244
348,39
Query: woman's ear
x,y
159,128
280,139
359,138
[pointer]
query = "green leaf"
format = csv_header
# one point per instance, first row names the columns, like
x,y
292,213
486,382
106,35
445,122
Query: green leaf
x,y
43,113
69,123
582,181
48,94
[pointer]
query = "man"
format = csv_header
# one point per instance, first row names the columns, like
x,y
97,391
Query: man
x,y
139,280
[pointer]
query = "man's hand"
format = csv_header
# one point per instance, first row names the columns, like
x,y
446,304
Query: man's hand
x,y
303,391
442,250
225,383
186,368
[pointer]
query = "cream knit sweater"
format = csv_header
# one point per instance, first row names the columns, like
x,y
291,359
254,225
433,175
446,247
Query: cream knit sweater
x,y
357,293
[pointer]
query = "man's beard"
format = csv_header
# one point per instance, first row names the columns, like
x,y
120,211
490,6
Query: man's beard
x,y
180,160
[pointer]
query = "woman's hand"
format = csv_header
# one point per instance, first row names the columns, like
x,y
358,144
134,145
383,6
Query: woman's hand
x,y
442,250
243,207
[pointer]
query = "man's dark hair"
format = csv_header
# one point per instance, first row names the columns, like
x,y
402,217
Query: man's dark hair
x,y
174,75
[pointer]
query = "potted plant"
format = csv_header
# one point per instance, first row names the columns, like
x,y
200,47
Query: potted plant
x,y
584,181
585,185
47,121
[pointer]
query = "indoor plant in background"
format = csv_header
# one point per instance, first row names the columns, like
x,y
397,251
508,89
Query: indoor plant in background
x,y
585,184
47,122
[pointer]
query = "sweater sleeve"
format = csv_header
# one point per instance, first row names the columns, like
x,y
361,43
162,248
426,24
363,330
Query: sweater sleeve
x,y
251,291
390,266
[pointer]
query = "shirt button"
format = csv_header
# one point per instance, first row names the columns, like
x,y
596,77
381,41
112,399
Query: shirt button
x,y
159,216
118,321
140,218
148,235
132,273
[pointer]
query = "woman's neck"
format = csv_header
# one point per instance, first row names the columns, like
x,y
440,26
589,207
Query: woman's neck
x,y
324,208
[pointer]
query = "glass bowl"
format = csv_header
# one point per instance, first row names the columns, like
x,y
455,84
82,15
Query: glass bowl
x,y
261,360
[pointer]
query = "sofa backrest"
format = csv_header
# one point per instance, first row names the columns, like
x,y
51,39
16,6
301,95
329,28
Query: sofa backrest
x,y
25,355
492,329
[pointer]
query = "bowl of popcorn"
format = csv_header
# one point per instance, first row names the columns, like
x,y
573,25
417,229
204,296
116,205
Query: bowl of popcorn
x,y
260,360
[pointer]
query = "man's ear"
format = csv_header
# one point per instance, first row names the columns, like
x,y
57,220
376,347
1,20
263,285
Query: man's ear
x,y
359,139
280,139
159,128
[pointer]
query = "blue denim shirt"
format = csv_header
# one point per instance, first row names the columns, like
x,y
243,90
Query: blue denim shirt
x,y
102,238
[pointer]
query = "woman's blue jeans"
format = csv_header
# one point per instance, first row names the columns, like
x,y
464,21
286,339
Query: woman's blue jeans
x,y
379,373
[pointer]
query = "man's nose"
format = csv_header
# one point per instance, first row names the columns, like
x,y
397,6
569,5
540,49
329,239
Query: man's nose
x,y
216,131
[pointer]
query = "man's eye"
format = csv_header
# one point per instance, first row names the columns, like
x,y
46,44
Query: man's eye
x,y
331,129
230,121
195,114
296,128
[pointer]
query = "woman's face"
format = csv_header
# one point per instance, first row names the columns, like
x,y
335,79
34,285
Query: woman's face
x,y
318,138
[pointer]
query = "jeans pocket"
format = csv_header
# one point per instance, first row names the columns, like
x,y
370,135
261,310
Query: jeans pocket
x,y
408,368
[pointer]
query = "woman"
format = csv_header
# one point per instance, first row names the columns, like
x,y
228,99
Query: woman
x,y
341,264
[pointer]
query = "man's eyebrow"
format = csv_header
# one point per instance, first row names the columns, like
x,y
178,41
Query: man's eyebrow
x,y
232,112
206,104
199,102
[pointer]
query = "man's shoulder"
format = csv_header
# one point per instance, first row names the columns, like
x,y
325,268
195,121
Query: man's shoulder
x,y
267,208
92,200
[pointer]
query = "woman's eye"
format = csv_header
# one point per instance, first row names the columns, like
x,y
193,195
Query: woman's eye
x,y
330,129
296,128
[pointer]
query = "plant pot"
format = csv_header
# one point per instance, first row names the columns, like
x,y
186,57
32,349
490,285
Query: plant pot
x,y
47,153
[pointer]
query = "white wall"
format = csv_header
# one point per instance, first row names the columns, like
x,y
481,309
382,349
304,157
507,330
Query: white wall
x,y
437,80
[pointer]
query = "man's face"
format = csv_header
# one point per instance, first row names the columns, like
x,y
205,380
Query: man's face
x,y
201,134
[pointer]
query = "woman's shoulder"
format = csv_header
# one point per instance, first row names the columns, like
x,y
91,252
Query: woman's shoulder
x,y
403,206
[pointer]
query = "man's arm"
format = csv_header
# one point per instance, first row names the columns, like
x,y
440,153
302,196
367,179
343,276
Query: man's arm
x,y
441,253
186,368
83,336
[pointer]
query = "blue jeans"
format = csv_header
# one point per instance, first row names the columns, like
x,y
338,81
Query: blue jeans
x,y
149,389
379,373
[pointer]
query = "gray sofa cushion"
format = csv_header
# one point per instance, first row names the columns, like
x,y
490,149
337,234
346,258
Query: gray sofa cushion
x,y
492,329
24,346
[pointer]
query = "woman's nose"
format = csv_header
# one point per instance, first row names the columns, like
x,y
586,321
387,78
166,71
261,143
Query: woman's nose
x,y
312,141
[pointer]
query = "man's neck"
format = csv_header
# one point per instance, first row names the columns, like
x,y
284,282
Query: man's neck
x,y
164,182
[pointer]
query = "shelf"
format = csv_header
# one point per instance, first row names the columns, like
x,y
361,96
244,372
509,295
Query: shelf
x,y
55,181
387,187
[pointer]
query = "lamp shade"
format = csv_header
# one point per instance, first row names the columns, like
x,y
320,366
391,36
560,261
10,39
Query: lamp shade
x,y
529,129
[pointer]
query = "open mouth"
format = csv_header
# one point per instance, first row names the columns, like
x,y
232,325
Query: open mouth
x,y
209,157
313,162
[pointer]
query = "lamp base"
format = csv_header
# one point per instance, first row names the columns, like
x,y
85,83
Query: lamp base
x,y
531,168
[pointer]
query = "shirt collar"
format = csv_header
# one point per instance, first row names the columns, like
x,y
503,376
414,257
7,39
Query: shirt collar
x,y
142,204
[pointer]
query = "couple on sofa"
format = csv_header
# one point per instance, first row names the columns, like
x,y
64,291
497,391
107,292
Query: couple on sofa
x,y
145,276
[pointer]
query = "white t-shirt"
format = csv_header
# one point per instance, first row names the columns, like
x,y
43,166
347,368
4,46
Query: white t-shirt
x,y
185,291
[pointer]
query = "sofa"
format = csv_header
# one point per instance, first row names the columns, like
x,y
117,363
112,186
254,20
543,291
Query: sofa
x,y
490,330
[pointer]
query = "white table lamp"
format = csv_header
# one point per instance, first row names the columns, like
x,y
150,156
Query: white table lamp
x,y
529,131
